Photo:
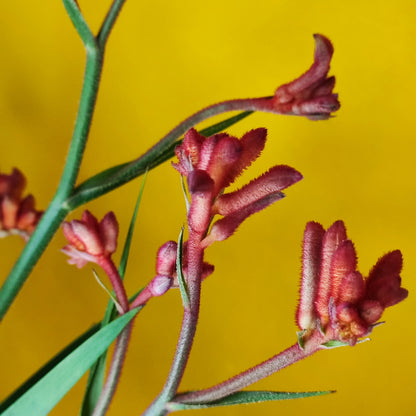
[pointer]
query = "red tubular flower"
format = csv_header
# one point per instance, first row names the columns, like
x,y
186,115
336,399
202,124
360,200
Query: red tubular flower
x,y
334,297
211,165
90,240
311,94
17,215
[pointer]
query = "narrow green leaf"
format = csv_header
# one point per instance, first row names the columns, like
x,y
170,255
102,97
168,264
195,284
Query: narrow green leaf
x,y
300,335
97,372
127,244
110,295
41,398
48,367
179,270
247,397
336,344
222,125
116,176
185,194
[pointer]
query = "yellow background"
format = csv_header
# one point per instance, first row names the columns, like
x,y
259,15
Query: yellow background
x,y
166,60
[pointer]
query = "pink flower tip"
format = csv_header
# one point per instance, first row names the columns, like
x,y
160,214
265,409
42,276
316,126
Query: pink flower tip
x,y
334,296
311,94
89,240
159,285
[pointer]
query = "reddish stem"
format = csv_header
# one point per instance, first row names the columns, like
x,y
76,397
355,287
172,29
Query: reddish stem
x,y
287,357
113,376
111,270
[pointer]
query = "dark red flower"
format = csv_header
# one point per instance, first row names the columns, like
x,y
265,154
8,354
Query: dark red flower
x,y
211,164
311,94
334,297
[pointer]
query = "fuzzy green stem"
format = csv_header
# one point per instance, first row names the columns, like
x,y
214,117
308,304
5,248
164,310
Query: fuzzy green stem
x,y
58,209
286,358
109,21
114,372
163,149
188,329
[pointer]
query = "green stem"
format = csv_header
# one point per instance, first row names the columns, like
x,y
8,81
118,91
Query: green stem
x,y
163,150
114,372
58,209
188,329
282,360
109,21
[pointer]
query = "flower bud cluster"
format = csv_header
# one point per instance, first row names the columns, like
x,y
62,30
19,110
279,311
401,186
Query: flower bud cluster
x,y
211,165
17,214
166,269
311,94
90,240
334,296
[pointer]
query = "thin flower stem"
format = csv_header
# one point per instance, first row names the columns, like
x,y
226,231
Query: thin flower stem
x,y
142,298
109,21
286,358
188,329
58,209
156,154
116,281
117,361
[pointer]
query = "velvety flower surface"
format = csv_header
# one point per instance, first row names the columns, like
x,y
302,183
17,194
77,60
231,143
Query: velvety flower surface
x,y
211,164
334,296
166,264
90,240
17,213
311,94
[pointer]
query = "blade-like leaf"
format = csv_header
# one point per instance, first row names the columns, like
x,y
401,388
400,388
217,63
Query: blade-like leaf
x,y
127,243
116,176
179,270
246,397
40,399
96,376
48,367
222,125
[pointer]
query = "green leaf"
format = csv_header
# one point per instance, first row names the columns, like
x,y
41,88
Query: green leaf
x,y
116,176
127,244
222,125
41,398
179,270
301,341
48,367
247,397
336,344
97,372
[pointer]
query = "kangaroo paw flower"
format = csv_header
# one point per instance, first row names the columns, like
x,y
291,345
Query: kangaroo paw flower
x,y
211,165
17,214
90,240
311,94
334,297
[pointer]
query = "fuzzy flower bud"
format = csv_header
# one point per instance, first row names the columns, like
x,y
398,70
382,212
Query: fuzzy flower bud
x,y
17,215
211,165
334,296
159,285
89,239
311,94
166,258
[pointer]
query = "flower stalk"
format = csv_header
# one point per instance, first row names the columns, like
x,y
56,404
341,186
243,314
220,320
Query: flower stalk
x,y
265,369
58,209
